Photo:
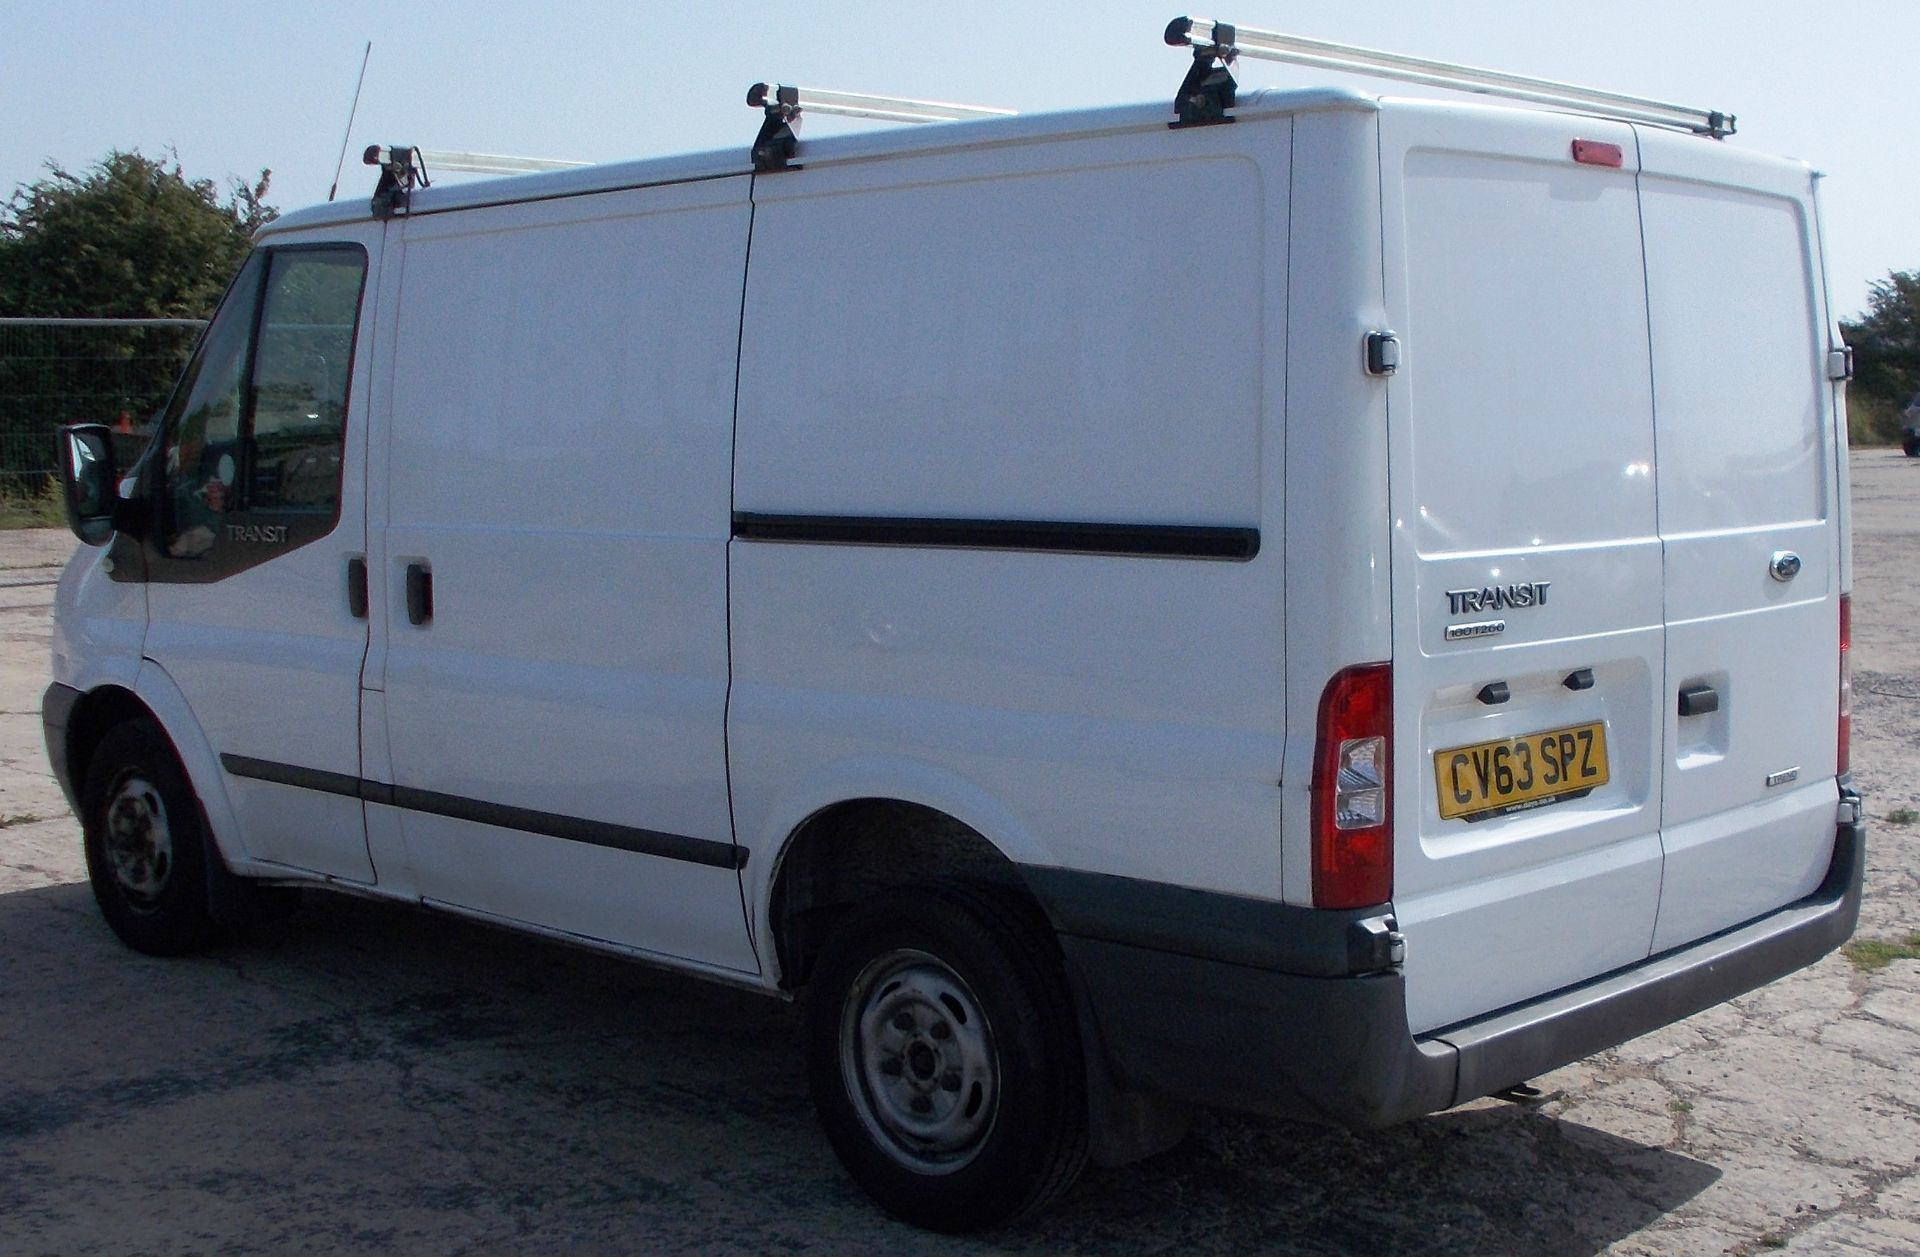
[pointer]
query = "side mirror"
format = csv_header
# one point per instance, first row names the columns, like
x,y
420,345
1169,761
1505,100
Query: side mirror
x,y
87,474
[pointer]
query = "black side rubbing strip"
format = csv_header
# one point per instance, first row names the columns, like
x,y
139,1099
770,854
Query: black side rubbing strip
x,y
1156,541
290,775
720,855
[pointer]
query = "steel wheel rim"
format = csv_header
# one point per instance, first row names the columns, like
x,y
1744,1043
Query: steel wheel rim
x,y
138,841
918,1058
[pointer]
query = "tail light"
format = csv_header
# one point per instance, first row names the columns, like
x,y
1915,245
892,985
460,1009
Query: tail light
x,y
1352,790
1846,683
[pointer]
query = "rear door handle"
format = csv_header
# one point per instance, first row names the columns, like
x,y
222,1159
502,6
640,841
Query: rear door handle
x,y
1699,700
357,588
419,593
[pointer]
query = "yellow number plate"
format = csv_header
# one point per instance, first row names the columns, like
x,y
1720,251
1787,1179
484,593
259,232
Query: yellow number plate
x,y
1514,774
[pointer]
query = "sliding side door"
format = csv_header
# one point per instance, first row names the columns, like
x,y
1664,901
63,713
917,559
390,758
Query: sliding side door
x,y
553,644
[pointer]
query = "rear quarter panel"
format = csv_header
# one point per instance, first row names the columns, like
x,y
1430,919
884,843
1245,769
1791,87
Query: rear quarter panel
x,y
1069,331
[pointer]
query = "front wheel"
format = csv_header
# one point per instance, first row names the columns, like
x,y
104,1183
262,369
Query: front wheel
x,y
146,850
944,1057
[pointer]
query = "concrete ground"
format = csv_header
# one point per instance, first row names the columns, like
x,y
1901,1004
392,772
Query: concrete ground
x,y
372,1079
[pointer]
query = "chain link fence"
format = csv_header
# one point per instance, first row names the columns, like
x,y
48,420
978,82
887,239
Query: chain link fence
x,y
54,371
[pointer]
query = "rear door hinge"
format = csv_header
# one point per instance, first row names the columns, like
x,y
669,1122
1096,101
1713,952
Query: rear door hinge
x,y
1840,363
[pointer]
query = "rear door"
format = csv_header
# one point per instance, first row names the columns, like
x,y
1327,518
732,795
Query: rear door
x,y
1527,576
1748,490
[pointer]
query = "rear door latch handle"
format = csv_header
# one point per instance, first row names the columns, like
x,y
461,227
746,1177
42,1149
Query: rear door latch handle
x,y
1699,700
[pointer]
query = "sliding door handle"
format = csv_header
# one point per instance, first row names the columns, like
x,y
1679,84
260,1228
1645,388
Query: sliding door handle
x,y
357,588
419,593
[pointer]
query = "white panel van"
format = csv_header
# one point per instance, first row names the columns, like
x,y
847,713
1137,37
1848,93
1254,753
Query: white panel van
x,y
1331,616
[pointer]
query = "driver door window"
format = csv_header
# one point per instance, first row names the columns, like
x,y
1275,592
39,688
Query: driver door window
x,y
258,426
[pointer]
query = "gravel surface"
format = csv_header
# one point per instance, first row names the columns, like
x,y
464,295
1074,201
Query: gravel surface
x,y
368,1078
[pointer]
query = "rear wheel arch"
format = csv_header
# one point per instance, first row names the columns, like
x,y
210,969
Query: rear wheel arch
x,y
846,853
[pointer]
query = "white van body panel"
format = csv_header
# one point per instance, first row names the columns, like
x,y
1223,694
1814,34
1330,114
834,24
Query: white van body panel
x,y
1523,455
906,356
575,521
1748,469
99,624
1335,444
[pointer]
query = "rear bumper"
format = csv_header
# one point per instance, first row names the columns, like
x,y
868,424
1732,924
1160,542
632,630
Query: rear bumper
x,y
1193,1026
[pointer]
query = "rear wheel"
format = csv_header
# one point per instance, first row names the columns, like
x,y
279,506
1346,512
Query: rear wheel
x,y
944,1058
146,850
1912,448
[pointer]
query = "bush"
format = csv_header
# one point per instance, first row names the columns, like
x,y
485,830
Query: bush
x,y
26,505
1871,420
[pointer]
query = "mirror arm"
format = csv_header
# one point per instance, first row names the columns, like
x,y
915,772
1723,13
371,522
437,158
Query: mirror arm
x,y
132,515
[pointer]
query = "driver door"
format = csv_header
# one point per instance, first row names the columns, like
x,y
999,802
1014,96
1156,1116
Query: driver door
x,y
257,540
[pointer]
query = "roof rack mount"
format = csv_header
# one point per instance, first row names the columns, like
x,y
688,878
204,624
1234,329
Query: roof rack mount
x,y
1204,96
774,147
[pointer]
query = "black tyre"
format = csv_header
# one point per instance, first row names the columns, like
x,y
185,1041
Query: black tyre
x,y
944,1057
146,849
1912,448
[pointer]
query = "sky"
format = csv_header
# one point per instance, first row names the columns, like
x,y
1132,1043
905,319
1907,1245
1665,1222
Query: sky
x,y
237,88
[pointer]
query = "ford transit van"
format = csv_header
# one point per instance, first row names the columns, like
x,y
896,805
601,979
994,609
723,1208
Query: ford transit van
x,y
1331,615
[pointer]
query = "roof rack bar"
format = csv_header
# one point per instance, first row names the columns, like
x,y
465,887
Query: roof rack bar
x,y
775,146
492,163
860,105
1228,42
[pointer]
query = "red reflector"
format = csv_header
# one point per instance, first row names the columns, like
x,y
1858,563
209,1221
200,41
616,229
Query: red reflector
x,y
1846,683
1597,153
1353,790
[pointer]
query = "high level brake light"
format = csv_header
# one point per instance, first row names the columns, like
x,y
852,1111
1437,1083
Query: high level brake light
x,y
1352,790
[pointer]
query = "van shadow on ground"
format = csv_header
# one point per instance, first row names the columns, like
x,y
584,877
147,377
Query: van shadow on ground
x,y
368,1076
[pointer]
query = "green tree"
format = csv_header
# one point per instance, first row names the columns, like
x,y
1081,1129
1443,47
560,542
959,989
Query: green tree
x,y
130,238
1886,340
1886,359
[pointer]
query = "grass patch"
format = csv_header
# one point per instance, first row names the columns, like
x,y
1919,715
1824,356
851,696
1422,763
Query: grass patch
x,y
1680,1106
30,506
19,818
1902,816
1869,954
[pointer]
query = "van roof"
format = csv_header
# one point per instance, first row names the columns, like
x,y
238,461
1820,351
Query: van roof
x,y
904,140
686,168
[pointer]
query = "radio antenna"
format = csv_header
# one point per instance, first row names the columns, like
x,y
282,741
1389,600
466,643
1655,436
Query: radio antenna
x,y
351,111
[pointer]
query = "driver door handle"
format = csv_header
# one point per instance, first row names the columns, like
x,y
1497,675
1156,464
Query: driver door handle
x,y
419,593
